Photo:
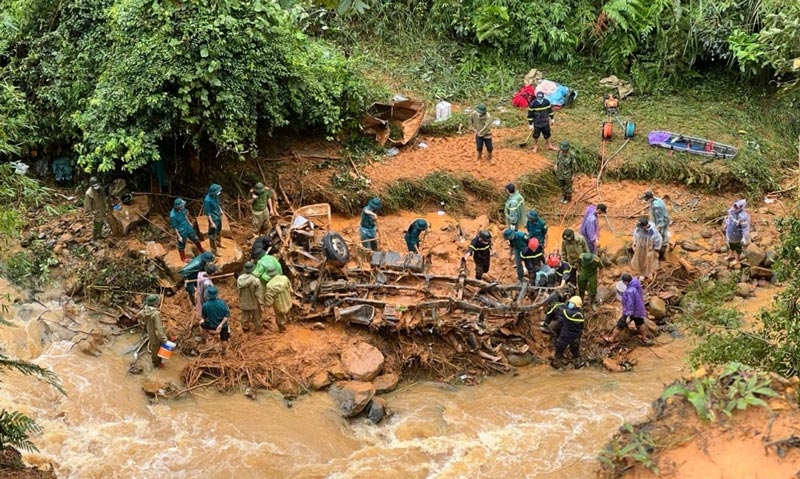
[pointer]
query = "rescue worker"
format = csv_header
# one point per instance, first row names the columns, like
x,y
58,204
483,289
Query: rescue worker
x,y
514,210
588,276
279,295
266,268
517,242
480,248
192,269
565,273
214,214
660,217
369,224
263,207
481,123
565,168
570,334
415,233
179,222
633,310
537,228
646,243
540,117
590,226
532,258
96,204
737,230
250,298
150,318
203,283
554,314
215,318
572,247
260,246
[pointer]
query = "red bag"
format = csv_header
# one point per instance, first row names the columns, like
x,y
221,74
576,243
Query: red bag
x,y
524,96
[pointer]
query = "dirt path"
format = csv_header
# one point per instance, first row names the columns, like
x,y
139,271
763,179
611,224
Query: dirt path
x,y
457,155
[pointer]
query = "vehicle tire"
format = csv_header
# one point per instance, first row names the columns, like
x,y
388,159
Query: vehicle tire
x,y
335,247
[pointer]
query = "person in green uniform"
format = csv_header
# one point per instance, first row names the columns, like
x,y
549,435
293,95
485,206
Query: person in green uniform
x,y
517,242
250,299
572,246
416,231
514,210
565,168
179,222
214,214
215,318
589,274
279,295
266,268
263,207
96,204
150,318
369,224
481,123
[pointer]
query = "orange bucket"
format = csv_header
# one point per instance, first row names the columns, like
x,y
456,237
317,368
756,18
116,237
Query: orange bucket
x,y
165,351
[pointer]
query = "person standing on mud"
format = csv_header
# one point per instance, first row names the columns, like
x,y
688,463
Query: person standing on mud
x,y
646,243
588,276
514,210
573,246
537,228
590,226
480,248
214,214
203,283
96,204
570,334
481,122
250,299
179,222
565,168
215,318
660,217
150,318
369,224
540,117
633,310
517,242
279,295
263,206
737,230
415,233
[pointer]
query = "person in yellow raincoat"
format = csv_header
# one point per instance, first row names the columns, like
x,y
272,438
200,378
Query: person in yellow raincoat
x,y
278,294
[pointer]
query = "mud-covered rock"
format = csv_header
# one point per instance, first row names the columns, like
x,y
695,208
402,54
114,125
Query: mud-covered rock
x,y
606,294
743,290
319,381
651,326
755,255
376,410
769,260
760,273
351,397
657,307
363,361
622,261
519,360
690,246
386,382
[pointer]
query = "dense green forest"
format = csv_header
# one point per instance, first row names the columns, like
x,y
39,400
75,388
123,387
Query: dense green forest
x,y
125,82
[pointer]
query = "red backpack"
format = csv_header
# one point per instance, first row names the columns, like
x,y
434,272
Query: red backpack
x,y
524,96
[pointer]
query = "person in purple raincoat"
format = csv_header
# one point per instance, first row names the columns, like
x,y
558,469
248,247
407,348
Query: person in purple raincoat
x,y
590,226
737,229
633,310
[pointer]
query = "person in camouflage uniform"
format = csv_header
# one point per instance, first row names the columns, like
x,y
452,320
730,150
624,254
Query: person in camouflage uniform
x,y
263,207
95,204
565,168
150,318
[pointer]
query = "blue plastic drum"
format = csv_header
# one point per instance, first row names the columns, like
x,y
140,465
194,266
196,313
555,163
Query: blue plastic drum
x,y
630,129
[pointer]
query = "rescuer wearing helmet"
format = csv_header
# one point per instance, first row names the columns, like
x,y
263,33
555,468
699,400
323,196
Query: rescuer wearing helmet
x,y
570,333
480,248
532,258
179,222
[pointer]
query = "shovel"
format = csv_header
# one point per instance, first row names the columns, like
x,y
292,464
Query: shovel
x,y
527,139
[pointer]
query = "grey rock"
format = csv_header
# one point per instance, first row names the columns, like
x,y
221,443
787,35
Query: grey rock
x,y
351,397
755,255
376,410
657,307
689,246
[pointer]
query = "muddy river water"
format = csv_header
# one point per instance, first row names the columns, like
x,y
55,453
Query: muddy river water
x,y
538,423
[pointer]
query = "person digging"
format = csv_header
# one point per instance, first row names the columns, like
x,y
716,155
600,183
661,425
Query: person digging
x,y
633,310
415,234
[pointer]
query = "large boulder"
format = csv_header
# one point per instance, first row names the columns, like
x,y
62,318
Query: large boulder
x,y
376,410
202,223
657,307
760,273
386,382
363,361
755,255
351,397
606,294
743,290
231,258
122,220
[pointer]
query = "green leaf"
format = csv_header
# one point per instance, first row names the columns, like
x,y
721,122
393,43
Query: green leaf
x,y
204,52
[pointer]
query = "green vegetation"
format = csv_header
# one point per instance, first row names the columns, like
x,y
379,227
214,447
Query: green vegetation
x,y
30,268
634,444
706,307
439,189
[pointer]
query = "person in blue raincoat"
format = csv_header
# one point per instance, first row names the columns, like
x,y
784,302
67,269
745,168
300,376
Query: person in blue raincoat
x,y
369,224
737,229
517,242
214,214
192,269
537,228
183,228
414,233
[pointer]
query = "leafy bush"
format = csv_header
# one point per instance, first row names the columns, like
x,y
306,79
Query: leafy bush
x,y
438,188
31,267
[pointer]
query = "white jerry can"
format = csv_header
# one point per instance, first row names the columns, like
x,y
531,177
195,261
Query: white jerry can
x,y
442,111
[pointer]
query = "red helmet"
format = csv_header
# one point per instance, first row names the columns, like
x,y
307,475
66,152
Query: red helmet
x,y
553,260
533,244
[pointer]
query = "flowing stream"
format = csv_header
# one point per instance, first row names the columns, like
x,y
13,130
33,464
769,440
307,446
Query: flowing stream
x,y
538,423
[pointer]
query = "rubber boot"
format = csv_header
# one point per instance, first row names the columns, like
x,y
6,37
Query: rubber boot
x,y
489,156
183,256
213,244
199,247
551,146
535,146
